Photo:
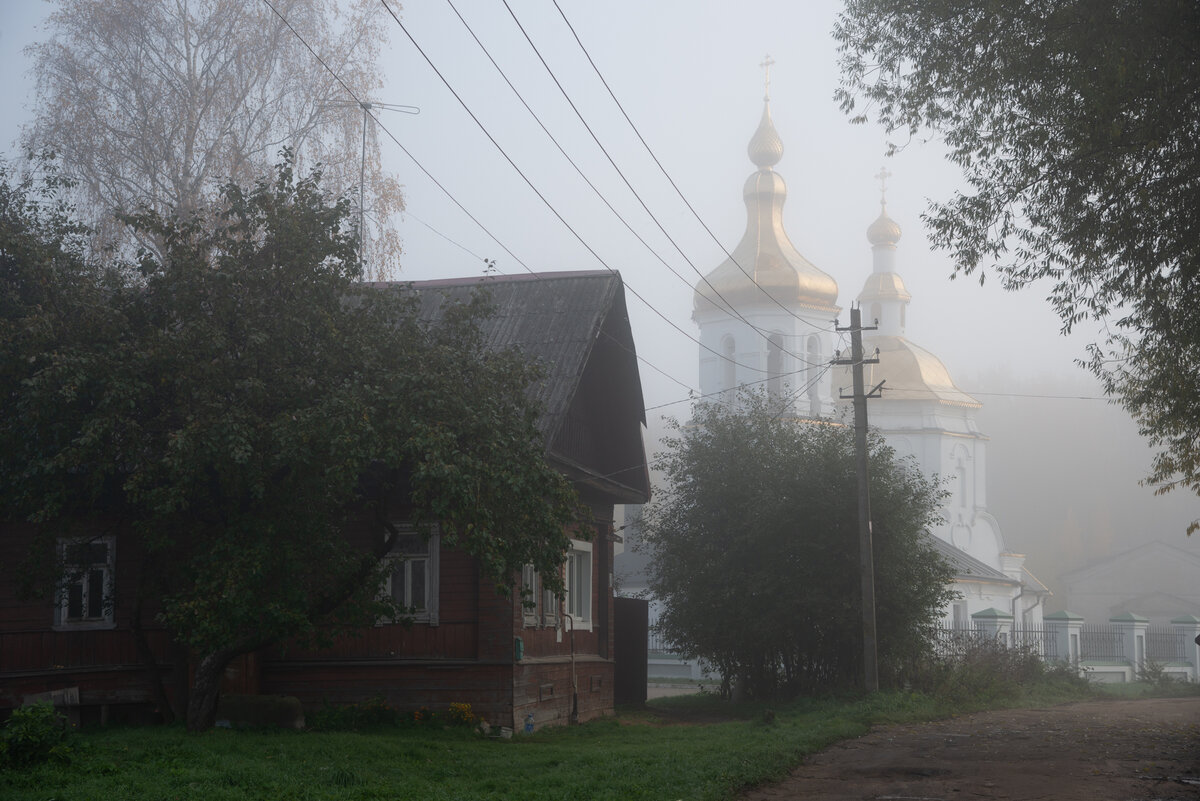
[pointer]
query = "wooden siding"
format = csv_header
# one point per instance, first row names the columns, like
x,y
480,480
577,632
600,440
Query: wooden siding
x,y
543,688
104,663
455,637
29,651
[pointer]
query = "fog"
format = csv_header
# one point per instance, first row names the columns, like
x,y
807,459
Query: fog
x,y
1063,471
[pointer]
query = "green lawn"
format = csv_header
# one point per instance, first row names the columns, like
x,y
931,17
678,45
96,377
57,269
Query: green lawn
x,y
692,747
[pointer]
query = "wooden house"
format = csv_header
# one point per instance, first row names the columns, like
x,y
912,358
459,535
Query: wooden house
x,y
468,644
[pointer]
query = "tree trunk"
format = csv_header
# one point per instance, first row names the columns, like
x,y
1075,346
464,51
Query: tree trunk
x,y
206,688
153,669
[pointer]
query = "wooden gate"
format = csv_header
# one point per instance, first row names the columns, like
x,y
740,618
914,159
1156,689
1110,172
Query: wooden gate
x,y
630,630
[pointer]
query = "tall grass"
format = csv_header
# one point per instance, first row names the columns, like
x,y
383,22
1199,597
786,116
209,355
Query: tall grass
x,y
694,747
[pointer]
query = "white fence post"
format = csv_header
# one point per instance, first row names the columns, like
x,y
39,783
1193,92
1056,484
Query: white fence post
x,y
1189,627
1132,630
1066,627
995,624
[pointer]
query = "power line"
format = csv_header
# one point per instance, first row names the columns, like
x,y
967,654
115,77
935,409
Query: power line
x,y
891,388
729,306
722,392
454,242
448,194
667,175
547,203
392,136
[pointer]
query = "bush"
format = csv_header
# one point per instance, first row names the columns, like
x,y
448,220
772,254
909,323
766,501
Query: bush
x,y
1156,681
32,735
352,717
980,670
754,550
376,712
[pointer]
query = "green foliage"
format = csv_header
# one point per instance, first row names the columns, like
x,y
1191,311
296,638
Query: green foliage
x,y
236,406
32,735
1154,678
376,712
755,557
353,717
1075,124
978,671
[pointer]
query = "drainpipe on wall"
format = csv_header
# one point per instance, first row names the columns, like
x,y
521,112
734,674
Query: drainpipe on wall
x,y
574,717
1014,610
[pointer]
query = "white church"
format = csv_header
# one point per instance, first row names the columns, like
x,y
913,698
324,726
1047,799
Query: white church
x,y
769,311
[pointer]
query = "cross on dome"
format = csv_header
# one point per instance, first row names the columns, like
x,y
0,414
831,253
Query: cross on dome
x,y
883,175
884,231
767,63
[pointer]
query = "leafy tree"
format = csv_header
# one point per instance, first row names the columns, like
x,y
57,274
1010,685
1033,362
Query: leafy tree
x,y
158,103
254,421
1076,126
754,549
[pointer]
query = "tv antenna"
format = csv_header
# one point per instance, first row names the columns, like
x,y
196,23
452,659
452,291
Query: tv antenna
x,y
367,107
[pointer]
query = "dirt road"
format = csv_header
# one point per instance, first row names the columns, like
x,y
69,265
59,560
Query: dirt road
x,y
1094,751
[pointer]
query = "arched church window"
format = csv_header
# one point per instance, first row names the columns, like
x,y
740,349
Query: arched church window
x,y
902,310
728,366
775,365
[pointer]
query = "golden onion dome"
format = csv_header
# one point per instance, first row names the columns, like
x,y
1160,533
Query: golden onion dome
x,y
884,231
765,268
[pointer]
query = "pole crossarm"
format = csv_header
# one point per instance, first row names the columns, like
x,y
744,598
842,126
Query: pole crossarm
x,y
875,392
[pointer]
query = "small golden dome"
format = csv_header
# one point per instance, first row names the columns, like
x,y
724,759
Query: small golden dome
x,y
884,231
765,148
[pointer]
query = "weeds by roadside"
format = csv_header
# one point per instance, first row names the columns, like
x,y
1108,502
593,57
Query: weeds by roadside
x,y
696,747
978,672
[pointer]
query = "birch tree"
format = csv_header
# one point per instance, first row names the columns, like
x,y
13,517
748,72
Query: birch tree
x,y
155,104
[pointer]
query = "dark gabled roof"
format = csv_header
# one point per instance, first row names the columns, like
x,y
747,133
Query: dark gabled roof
x,y
967,567
560,320
553,318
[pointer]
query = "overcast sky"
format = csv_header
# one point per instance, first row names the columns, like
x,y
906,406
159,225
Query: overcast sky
x,y
688,74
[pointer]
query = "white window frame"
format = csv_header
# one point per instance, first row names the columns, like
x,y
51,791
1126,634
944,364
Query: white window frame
x,y
406,556
80,575
544,612
529,582
578,600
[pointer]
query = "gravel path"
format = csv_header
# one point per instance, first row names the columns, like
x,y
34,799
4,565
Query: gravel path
x,y
1093,751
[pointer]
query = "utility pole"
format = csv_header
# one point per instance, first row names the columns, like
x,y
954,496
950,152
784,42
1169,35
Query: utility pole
x,y
866,558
